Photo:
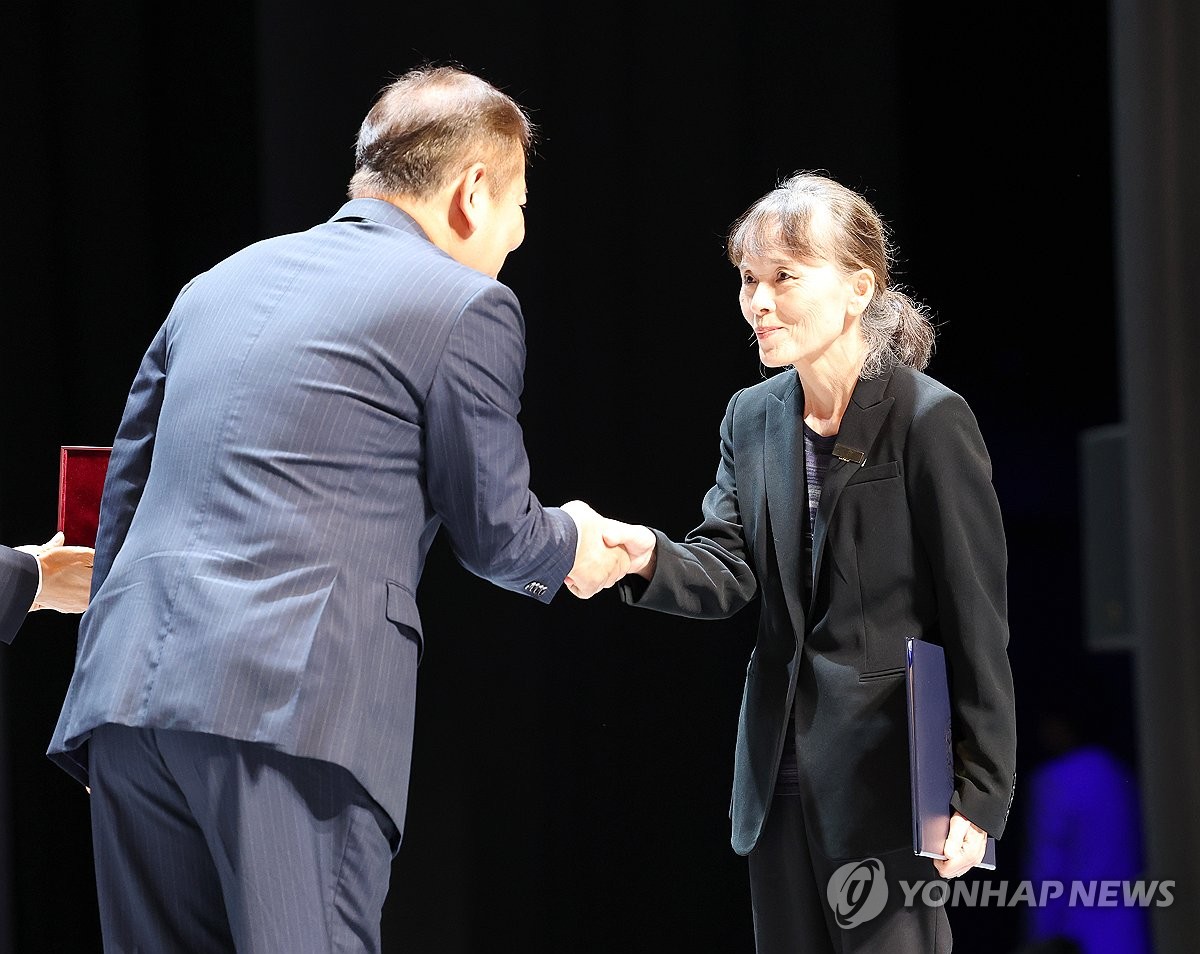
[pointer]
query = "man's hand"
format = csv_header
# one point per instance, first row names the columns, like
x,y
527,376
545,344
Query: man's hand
x,y
638,541
597,565
66,575
964,848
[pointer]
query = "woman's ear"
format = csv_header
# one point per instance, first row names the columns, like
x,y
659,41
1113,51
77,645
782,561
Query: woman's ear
x,y
862,288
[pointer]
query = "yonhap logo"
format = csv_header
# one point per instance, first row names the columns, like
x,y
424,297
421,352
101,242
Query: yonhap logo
x,y
857,892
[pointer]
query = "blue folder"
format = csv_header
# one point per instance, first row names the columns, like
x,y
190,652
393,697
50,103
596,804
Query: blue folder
x,y
931,751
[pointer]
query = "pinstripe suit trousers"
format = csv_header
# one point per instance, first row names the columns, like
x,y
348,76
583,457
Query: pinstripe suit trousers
x,y
209,844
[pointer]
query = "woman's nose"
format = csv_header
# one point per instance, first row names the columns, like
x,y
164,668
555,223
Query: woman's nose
x,y
761,301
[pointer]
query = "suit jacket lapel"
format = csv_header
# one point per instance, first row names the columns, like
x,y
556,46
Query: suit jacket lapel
x,y
785,485
864,416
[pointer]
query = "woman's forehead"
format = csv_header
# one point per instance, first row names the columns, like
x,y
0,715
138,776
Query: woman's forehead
x,y
778,258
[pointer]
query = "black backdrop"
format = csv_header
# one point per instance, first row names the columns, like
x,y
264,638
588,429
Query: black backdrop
x,y
572,762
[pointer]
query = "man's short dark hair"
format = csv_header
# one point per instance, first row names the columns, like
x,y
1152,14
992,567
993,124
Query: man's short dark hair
x,y
432,123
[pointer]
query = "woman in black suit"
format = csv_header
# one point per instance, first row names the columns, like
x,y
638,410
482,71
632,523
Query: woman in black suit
x,y
854,497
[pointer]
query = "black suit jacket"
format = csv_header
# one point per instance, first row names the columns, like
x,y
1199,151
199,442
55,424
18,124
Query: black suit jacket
x,y
908,541
18,586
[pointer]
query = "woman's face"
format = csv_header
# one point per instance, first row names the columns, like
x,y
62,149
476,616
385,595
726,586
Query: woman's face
x,y
798,309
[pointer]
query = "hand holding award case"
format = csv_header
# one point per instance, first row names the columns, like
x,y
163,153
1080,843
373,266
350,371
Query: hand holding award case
x,y
931,751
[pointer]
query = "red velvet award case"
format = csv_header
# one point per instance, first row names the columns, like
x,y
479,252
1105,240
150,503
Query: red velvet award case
x,y
81,472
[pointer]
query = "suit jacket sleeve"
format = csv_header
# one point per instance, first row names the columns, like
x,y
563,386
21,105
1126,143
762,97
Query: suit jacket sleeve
x,y
476,463
18,586
958,520
129,463
709,574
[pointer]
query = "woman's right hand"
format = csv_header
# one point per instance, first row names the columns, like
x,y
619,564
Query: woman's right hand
x,y
639,542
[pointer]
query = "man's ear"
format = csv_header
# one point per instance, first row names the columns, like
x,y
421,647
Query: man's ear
x,y
469,200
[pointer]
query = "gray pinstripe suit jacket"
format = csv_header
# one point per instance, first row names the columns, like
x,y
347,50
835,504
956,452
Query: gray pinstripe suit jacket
x,y
313,410
18,586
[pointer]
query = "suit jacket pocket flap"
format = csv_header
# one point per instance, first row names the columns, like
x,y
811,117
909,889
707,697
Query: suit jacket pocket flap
x,y
402,609
875,472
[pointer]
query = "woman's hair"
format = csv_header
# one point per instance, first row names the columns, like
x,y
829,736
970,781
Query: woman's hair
x,y
431,124
810,215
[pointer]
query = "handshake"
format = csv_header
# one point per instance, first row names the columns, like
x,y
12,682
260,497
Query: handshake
x,y
607,551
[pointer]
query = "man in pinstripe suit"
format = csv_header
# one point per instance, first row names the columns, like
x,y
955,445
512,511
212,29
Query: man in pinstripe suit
x,y
313,410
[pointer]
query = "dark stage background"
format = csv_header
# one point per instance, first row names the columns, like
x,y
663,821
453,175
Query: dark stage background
x,y
572,762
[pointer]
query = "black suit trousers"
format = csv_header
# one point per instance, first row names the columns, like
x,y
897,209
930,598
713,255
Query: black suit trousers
x,y
797,909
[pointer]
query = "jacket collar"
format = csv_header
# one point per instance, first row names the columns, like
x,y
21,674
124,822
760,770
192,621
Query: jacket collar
x,y
868,409
785,485
785,482
380,212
